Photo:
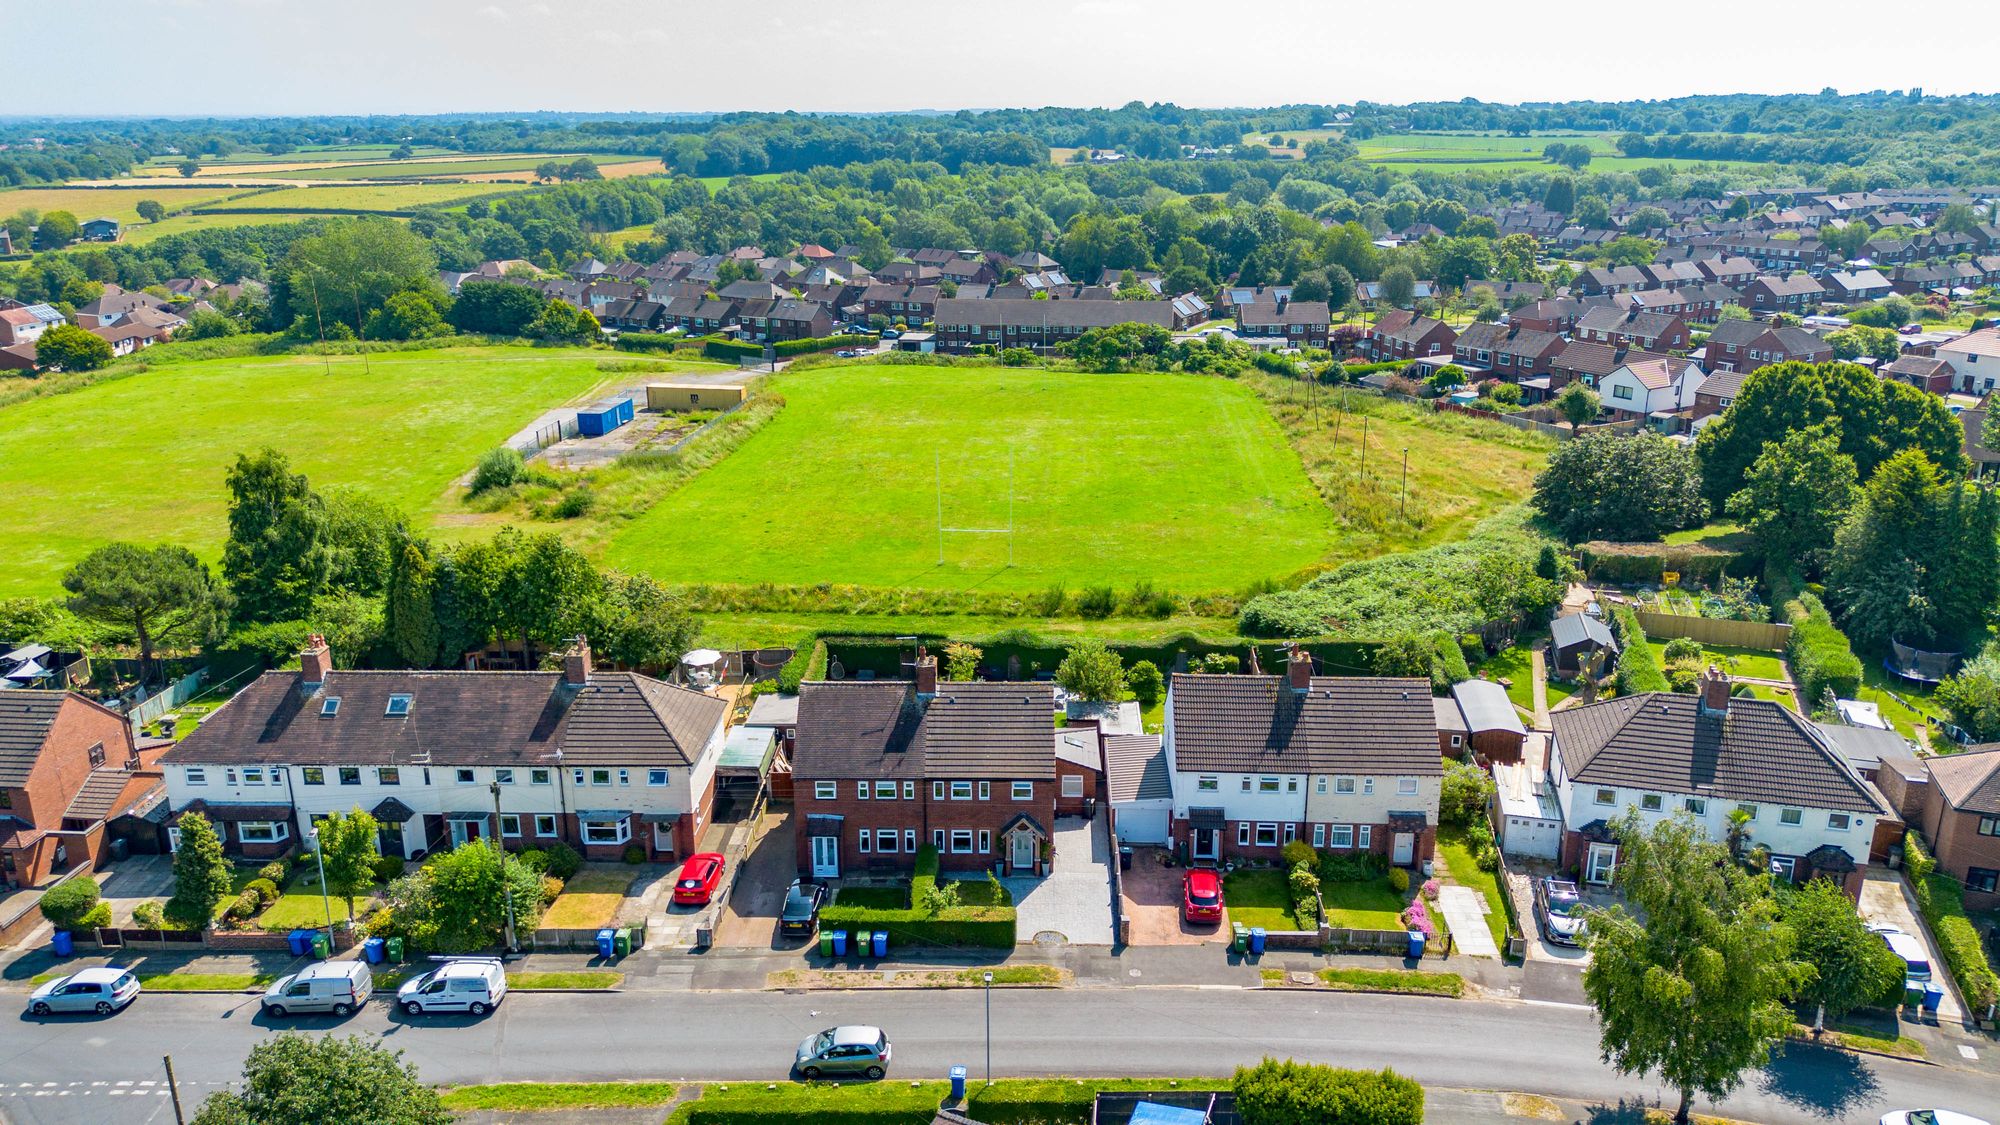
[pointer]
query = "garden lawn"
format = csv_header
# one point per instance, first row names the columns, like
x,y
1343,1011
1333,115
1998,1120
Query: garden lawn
x,y
590,899
1178,480
299,907
1371,905
143,457
1465,871
1516,665
1259,896
1903,706
1755,663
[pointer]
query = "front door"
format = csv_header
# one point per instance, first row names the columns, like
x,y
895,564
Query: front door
x,y
663,838
1207,843
826,857
1404,849
463,830
1022,850
1598,865
389,839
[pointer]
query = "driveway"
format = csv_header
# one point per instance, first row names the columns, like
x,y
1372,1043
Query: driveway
x,y
137,879
1465,910
1552,972
750,921
1152,892
1886,899
1072,904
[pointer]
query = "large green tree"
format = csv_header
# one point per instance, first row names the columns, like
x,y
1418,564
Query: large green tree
x,y
1578,404
69,348
1873,418
278,557
1696,990
457,902
347,848
639,623
1917,557
293,1078
409,612
157,596
1851,967
495,308
1092,672
1796,495
1613,487
353,266
201,874
545,589
56,230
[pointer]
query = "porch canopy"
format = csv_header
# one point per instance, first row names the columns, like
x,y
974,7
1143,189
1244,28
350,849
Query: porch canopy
x,y
1207,820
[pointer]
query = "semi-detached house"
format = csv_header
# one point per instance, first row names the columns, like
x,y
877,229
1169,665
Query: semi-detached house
x,y
1349,764
598,760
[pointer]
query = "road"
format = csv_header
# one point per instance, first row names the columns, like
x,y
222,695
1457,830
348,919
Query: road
x,y
76,1069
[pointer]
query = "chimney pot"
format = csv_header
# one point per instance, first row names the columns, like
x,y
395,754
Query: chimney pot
x,y
1299,670
316,661
1714,689
576,663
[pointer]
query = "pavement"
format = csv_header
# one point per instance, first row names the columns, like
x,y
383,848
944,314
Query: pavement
x,y
134,880
1465,912
1072,904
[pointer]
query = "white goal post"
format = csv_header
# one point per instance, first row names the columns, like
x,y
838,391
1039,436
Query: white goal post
x,y
1008,531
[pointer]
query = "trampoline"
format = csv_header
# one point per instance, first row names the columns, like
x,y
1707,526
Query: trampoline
x,y
1917,665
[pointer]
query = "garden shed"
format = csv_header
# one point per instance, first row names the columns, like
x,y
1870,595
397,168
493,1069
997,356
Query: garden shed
x,y
606,416
1577,634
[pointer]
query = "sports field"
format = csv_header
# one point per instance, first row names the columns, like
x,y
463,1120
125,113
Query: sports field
x,y
143,457
1183,481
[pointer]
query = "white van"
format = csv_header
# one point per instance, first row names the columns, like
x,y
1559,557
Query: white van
x,y
326,986
458,984
1916,963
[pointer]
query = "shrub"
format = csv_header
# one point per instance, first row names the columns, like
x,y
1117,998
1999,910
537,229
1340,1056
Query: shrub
x,y
634,854
66,904
1917,858
1682,648
1097,602
731,350
1430,889
244,907
1144,681
1464,795
1819,653
563,861
1298,852
1417,916
498,468
1638,669
1337,868
97,917
576,502
388,867
1399,878
265,890
1293,1093
150,916
275,871
551,887
1943,903
534,859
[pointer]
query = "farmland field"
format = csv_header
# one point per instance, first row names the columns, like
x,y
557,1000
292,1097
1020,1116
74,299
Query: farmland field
x,y
1183,481
463,164
142,233
143,457
1486,152
364,197
113,203
305,154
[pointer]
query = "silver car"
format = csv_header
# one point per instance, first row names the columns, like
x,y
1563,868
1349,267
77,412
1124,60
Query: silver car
x,y
854,1049
102,991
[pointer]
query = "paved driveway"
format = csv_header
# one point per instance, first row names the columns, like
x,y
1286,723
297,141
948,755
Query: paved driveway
x,y
1885,898
1072,904
1465,911
137,879
1152,892
751,918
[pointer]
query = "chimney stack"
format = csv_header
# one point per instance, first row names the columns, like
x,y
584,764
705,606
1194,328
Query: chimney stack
x,y
1299,670
1714,688
576,663
926,674
316,661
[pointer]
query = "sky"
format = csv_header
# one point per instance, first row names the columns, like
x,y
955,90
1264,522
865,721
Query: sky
x,y
278,57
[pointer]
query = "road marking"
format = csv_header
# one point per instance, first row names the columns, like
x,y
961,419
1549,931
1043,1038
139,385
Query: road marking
x,y
1967,1051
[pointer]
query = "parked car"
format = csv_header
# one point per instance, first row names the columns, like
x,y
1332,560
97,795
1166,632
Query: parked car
x,y
1201,895
892,334
854,1049
100,990
1930,1117
800,916
700,875
1559,904
847,353
461,984
1916,963
326,986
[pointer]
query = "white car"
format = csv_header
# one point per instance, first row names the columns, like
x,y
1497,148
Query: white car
x,y
459,984
101,990
1916,964
1930,1117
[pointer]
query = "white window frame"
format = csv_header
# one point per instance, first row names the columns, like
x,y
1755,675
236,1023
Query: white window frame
x,y
1319,784
1343,837
1406,787
961,791
545,824
861,790
1839,822
1319,835
961,836
985,790
1242,833
624,830
504,776
1291,785
1291,832
1023,791
1364,836
1343,786
657,777
1267,828
909,791
985,841
1072,785
886,841
196,775
1209,784
1604,797
625,777
910,840
885,790
1652,802
826,790
1269,784
600,777
515,818
865,841
1791,818
253,775
1367,786
1246,783
937,790
937,839
269,832
1696,805
1751,809
538,776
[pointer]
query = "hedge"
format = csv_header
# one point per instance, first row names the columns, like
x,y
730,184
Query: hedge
x,y
989,927
1638,667
731,350
1278,1092
808,662
652,342
1943,903
1819,654
1630,563
819,344
1009,1101
67,905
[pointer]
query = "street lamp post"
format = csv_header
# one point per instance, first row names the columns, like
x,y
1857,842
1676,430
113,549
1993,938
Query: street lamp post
x,y
506,889
319,857
989,1029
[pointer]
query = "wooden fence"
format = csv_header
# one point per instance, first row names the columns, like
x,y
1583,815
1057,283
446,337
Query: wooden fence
x,y
165,700
1764,635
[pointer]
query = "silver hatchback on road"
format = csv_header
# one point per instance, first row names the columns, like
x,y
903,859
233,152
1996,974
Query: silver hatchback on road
x,y
102,991
854,1049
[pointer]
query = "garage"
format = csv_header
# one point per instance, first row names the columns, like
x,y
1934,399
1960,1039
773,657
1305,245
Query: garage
x,y
1529,823
1142,791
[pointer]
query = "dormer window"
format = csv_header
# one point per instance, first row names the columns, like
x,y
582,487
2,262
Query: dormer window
x,y
330,706
398,705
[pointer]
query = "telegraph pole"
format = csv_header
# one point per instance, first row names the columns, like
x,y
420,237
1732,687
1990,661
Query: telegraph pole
x,y
174,1088
1403,506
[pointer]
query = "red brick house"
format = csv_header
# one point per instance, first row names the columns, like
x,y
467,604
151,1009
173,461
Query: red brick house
x,y
884,767
1745,345
1926,373
1405,335
1648,331
1954,800
68,768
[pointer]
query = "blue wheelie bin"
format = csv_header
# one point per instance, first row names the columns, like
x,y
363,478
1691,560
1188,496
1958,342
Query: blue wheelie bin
x,y
299,942
1257,939
1933,996
840,943
605,940
881,943
1416,950
64,945
372,950
957,1084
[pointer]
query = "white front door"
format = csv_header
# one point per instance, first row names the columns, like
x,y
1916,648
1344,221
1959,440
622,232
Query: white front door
x,y
826,857
1598,865
1403,849
663,838
1023,850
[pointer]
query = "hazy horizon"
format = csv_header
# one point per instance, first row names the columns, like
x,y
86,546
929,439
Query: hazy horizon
x,y
287,58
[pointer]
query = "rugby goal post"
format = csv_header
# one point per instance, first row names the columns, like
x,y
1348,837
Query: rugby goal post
x,y
943,529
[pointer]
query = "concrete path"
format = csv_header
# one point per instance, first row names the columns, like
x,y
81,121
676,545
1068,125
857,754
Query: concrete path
x,y
1886,899
1464,911
1074,900
1538,668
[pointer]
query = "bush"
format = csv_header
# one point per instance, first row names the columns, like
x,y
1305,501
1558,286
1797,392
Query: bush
x,y
1917,859
1683,648
808,662
66,904
1943,903
576,502
534,859
1638,669
244,907
276,871
1464,794
265,890
498,468
1399,878
388,867
649,342
97,917
1818,652
551,887
634,854
1097,602
1337,868
731,350
150,916
563,861
1295,1093
1297,852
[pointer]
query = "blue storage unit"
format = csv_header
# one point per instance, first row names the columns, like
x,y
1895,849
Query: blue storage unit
x,y
64,944
606,416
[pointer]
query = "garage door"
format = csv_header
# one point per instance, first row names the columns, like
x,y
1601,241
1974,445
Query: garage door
x,y
1530,837
1142,824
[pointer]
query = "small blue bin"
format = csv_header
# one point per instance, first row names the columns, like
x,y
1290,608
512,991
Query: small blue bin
x,y
300,942
64,944
840,943
1933,996
1416,951
373,948
957,1083
1257,939
606,940
881,943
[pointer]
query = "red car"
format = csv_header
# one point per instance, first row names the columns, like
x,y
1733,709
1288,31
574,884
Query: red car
x,y
700,875
1201,895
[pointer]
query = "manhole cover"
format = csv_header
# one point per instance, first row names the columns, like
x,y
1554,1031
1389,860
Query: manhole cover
x,y
1051,937
1302,978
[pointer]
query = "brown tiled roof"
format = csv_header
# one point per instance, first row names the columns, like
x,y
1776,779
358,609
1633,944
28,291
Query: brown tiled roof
x,y
620,715
98,796
881,729
1136,767
25,717
1342,724
1759,752
1970,781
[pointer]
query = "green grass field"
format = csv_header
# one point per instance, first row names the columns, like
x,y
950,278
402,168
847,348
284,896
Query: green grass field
x,y
1183,481
111,203
304,154
142,458
470,165
182,224
364,197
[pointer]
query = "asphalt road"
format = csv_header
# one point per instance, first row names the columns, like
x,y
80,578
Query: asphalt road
x,y
88,1070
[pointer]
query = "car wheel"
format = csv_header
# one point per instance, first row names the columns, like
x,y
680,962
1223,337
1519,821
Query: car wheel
x,y
811,1073
275,1011
413,1008
876,1072
478,1009
342,1009
42,1009
104,1008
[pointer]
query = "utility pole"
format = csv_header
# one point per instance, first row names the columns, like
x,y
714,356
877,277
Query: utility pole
x,y
506,891
320,319
989,1029
174,1088
1403,506
326,900
1364,447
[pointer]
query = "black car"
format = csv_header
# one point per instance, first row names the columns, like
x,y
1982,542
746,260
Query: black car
x,y
800,916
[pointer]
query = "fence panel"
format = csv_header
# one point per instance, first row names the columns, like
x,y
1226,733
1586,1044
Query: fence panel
x,y
161,702
1765,635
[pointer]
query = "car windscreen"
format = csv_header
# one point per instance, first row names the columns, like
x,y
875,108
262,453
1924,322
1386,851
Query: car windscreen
x,y
823,1041
1200,899
1562,904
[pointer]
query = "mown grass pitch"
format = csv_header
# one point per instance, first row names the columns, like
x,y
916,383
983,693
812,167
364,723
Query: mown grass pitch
x,y
1182,481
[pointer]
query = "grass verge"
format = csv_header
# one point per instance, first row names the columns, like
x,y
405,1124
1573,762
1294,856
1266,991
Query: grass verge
x,y
529,982
1855,1038
533,1096
1408,981
167,980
